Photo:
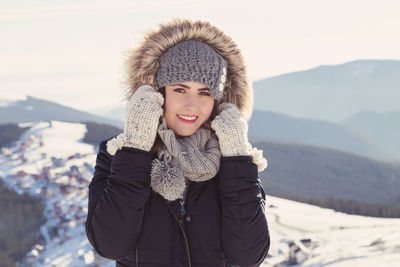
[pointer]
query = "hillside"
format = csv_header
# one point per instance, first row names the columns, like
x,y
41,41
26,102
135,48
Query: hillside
x,y
51,162
10,133
300,171
266,126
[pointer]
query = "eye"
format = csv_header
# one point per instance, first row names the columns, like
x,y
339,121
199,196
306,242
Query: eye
x,y
179,90
205,93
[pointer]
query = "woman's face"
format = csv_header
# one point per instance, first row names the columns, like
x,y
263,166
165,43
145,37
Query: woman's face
x,y
187,106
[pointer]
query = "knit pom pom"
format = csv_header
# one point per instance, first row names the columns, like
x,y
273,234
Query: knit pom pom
x,y
115,144
168,182
258,159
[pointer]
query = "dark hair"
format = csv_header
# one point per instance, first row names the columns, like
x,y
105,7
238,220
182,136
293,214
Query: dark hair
x,y
207,125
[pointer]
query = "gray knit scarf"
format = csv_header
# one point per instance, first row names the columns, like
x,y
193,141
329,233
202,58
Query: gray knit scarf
x,y
195,158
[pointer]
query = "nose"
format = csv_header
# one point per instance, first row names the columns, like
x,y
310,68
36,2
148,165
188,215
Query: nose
x,y
192,102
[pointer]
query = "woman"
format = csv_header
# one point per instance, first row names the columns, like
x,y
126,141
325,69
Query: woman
x,y
180,187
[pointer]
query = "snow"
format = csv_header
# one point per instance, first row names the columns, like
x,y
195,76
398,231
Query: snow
x,y
51,161
25,124
341,239
62,139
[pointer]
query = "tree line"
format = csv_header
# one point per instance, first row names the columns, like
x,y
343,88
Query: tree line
x,y
20,221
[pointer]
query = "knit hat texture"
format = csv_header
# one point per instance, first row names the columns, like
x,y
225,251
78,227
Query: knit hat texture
x,y
195,61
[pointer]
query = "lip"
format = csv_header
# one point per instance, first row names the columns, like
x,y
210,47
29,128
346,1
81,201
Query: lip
x,y
193,121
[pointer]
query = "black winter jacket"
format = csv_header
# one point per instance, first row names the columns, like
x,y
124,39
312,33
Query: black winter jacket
x,y
220,223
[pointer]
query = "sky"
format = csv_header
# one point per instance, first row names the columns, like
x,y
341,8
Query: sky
x,y
72,52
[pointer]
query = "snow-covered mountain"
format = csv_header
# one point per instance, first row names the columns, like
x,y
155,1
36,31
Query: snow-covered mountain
x,y
52,162
332,92
116,112
267,126
15,109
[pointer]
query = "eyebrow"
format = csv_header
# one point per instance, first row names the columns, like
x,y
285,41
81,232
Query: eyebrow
x,y
184,85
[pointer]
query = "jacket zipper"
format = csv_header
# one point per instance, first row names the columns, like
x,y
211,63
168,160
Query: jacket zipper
x,y
182,202
183,211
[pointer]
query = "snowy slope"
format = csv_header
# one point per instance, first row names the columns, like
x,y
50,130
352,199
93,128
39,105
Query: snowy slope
x,y
51,161
338,239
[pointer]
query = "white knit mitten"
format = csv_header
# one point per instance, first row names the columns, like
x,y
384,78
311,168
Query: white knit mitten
x,y
143,111
232,132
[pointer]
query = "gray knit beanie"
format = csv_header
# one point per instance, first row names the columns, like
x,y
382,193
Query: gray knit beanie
x,y
195,61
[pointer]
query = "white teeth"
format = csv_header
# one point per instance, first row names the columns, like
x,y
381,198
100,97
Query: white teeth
x,y
187,118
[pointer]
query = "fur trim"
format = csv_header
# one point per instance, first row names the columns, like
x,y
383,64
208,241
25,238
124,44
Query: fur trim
x,y
116,143
142,61
258,159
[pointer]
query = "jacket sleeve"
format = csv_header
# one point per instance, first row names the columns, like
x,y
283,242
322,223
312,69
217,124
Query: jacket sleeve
x,y
118,193
245,233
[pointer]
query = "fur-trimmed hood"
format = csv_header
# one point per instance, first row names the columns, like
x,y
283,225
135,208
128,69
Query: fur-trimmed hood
x,y
142,61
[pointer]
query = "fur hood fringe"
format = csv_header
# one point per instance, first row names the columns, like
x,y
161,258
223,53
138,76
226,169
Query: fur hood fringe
x,y
142,60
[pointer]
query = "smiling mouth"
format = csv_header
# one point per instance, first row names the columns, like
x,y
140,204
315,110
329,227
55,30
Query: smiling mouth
x,y
188,119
